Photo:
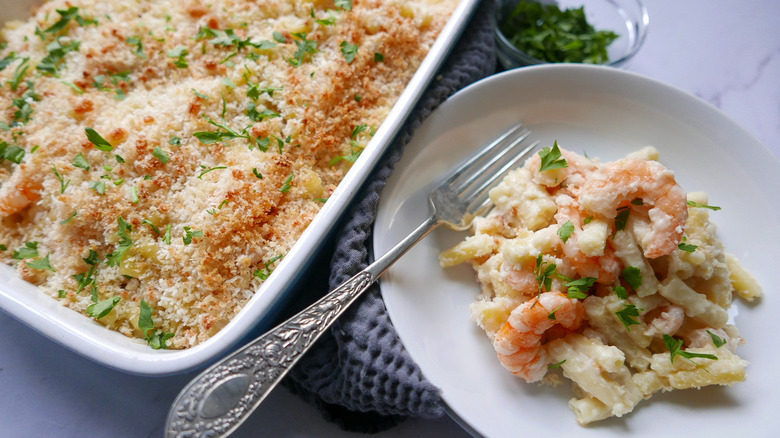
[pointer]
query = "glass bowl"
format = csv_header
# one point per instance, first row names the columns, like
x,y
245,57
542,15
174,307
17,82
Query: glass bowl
x,y
627,18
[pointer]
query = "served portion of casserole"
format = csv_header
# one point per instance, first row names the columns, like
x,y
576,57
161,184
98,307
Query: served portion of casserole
x,y
160,158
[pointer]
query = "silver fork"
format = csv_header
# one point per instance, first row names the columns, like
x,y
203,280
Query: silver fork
x,y
218,400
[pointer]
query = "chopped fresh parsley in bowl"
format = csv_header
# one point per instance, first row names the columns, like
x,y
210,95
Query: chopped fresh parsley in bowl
x,y
530,32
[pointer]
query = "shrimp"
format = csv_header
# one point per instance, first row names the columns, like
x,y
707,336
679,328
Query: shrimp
x,y
519,342
568,179
17,193
622,181
667,321
605,268
520,278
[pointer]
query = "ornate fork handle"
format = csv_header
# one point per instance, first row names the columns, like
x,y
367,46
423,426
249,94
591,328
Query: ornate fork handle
x,y
217,401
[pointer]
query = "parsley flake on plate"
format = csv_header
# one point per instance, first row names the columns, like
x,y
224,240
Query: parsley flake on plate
x,y
552,158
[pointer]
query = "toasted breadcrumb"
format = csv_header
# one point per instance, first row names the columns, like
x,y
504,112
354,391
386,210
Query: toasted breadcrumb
x,y
227,123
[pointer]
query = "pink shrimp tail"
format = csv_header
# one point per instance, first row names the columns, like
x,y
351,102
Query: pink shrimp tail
x,y
519,342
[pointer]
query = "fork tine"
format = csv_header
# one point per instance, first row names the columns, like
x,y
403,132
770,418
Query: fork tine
x,y
475,175
481,196
481,180
495,145
459,198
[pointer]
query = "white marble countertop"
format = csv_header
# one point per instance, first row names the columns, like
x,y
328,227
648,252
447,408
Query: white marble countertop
x,y
723,51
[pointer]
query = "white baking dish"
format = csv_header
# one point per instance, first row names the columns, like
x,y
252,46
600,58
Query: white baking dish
x,y
92,340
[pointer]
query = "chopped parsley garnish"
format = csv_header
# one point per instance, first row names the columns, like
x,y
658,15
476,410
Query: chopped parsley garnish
x,y
674,346
102,308
627,315
63,222
687,247
287,185
224,133
161,155
306,48
136,42
566,230
156,338
279,37
633,276
133,194
5,62
621,219
210,169
621,292
66,15
189,233
199,94
175,141
356,148
378,57
168,234
63,184
358,129
73,86
344,4
264,273
28,251
116,79
98,140
180,53
546,32
349,51
86,278
696,204
24,104
227,82
330,21
257,173
544,274
552,158
81,162
92,259
254,91
50,64
213,211
115,258
43,263
556,365
262,143
578,288
228,38
12,153
151,224
717,340
260,116
98,186
19,73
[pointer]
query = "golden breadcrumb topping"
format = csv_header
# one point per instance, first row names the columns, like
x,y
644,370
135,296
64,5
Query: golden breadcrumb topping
x,y
160,158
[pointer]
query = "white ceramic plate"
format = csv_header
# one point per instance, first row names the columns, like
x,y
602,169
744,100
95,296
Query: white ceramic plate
x,y
606,113
92,340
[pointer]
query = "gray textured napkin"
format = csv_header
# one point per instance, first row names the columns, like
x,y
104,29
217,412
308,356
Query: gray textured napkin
x,y
358,374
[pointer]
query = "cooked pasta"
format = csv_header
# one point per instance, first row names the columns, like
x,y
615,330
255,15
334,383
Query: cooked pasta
x,y
609,273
